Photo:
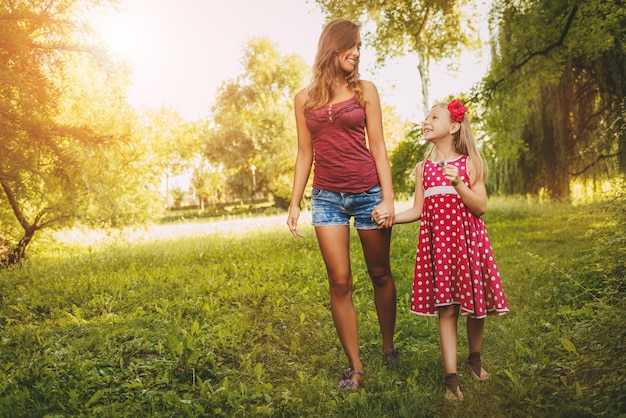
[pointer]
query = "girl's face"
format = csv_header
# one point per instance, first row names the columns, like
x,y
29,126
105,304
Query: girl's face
x,y
438,124
349,58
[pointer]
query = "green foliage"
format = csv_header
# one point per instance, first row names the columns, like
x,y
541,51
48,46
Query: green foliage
x,y
238,324
63,155
554,95
403,160
170,146
252,124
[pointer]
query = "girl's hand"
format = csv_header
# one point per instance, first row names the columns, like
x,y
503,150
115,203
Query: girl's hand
x,y
451,173
380,215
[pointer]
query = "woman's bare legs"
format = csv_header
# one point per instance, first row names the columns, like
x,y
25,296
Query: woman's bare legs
x,y
334,243
376,243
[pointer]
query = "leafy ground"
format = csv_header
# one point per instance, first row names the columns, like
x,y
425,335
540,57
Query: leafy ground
x,y
235,322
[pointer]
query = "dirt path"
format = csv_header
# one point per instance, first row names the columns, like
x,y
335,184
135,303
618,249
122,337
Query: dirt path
x,y
180,229
189,228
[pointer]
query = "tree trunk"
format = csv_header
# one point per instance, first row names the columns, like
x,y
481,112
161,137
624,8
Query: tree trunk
x,y
560,133
422,69
18,253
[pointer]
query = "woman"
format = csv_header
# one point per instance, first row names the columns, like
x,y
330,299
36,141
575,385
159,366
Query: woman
x,y
339,126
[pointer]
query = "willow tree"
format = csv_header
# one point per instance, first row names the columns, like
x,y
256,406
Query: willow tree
x,y
433,30
63,125
554,95
253,129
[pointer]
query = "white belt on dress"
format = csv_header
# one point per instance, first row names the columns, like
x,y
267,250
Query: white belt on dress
x,y
439,190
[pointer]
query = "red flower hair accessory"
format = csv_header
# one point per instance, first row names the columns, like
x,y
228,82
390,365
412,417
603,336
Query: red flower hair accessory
x,y
457,110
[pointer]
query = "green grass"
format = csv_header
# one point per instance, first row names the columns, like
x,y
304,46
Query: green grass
x,y
238,324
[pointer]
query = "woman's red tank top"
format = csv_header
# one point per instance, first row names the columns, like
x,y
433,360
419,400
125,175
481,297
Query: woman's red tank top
x,y
342,160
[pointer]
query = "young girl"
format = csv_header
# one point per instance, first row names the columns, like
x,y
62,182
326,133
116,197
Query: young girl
x,y
455,267
340,131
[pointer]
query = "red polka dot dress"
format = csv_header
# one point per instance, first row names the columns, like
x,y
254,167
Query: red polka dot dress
x,y
454,263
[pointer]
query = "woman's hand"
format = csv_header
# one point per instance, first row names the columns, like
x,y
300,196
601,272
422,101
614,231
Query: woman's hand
x,y
382,216
292,221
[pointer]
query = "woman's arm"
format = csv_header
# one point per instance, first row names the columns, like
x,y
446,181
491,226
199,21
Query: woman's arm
x,y
376,140
380,215
304,162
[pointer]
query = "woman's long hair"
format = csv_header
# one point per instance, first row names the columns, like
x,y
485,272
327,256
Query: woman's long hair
x,y
465,144
337,36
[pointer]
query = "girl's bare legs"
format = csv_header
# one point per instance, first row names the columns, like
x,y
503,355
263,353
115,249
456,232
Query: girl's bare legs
x,y
475,328
448,316
475,331
376,243
334,245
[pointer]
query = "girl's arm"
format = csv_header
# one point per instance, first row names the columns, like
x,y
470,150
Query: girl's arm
x,y
415,212
304,162
476,197
376,140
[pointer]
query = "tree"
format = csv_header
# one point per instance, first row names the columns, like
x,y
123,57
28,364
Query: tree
x,y
171,145
253,123
433,30
60,150
554,95
404,159
208,183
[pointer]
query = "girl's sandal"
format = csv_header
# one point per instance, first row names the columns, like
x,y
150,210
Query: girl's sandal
x,y
453,387
347,382
392,356
476,367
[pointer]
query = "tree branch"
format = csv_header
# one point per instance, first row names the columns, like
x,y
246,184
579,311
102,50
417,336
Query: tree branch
x,y
587,167
15,206
545,51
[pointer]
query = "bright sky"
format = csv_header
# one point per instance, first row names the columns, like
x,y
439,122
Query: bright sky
x,y
182,51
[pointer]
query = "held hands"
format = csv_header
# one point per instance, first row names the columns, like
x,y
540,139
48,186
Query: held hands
x,y
383,217
450,172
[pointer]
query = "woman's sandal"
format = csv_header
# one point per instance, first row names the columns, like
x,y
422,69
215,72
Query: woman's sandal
x,y
476,367
453,387
347,382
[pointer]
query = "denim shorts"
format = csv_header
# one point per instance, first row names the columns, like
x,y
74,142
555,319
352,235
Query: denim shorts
x,y
332,208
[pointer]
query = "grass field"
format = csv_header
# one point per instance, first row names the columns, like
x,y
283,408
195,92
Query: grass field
x,y
232,319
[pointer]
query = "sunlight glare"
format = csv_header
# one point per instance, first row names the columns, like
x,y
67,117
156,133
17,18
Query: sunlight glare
x,y
123,36
181,53
588,191
122,39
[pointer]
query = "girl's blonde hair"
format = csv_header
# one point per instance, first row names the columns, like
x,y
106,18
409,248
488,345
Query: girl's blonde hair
x,y
465,144
337,36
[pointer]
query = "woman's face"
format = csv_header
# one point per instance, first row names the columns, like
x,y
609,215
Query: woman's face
x,y
349,58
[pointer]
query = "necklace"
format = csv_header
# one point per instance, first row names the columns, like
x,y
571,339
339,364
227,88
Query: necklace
x,y
444,161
